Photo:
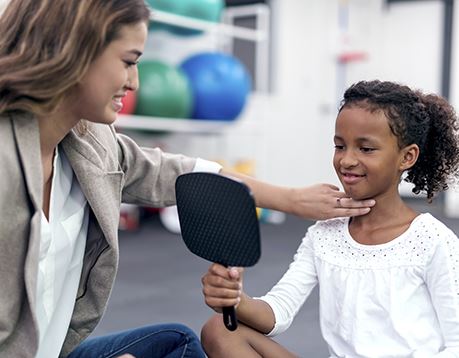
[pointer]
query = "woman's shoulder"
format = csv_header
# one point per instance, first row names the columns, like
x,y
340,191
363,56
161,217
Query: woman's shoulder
x,y
101,132
5,125
17,131
100,137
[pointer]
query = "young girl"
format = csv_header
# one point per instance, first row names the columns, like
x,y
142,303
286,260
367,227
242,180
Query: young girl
x,y
389,280
62,179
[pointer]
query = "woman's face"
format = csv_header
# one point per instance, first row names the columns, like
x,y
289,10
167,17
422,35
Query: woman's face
x,y
98,96
367,157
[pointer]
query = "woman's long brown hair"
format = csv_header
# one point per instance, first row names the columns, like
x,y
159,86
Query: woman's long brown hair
x,y
47,46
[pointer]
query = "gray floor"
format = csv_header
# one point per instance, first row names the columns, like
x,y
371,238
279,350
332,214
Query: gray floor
x,y
159,280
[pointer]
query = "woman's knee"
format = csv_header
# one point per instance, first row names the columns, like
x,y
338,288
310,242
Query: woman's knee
x,y
184,334
185,330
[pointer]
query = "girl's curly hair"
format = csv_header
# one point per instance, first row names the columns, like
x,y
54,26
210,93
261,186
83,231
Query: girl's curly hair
x,y
427,120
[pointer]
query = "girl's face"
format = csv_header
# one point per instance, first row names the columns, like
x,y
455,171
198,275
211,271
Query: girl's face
x,y
110,76
367,158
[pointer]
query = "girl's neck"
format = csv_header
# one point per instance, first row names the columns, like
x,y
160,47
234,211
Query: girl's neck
x,y
388,219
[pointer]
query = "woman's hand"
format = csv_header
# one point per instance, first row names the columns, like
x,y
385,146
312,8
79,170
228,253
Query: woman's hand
x,y
325,201
316,202
222,287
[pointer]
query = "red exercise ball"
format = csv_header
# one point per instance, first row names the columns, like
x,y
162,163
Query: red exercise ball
x,y
129,101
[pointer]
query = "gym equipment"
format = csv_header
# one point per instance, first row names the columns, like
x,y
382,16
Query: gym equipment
x,y
129,102
206,10
163,91
220,85
243,2
169,218
219,223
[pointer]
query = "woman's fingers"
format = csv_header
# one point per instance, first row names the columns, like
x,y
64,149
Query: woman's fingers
x,y
344,202
349,207
342,212
326,201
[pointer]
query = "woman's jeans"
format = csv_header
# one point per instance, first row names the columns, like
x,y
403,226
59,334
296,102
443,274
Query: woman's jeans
x,y
168,340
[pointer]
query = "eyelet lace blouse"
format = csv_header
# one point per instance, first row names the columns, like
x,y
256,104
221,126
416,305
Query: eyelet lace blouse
x,y
398,299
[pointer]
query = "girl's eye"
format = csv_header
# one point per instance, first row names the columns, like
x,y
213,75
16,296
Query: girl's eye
x,y
367,149
339,147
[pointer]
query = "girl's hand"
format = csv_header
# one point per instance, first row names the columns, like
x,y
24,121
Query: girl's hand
x,y
222,287
325,201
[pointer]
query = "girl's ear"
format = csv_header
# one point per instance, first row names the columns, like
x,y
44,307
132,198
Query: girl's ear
x,y
409,156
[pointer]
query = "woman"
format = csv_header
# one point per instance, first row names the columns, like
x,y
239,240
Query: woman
x,y
65,65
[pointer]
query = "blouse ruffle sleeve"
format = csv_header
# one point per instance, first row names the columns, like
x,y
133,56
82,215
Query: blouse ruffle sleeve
x,y
289,294
442,280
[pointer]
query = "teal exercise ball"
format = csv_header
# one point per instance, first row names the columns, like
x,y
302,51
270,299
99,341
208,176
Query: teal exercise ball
x,y
164,91
220,84
206,10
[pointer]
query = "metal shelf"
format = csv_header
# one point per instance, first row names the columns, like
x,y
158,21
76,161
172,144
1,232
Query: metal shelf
x,y
260,36
146,123
207,26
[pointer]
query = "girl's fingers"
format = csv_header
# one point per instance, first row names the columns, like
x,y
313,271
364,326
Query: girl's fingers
x,y
220,276
222,293
222,287
219,270
217,302
220,282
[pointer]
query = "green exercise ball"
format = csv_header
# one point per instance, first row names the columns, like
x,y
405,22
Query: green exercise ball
x,y
207,10
164,91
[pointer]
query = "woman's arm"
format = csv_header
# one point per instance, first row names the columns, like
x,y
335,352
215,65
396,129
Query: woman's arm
x,y
316,202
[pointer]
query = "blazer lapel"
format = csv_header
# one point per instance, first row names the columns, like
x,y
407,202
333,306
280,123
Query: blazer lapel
x,y
101,187
27,136
28,142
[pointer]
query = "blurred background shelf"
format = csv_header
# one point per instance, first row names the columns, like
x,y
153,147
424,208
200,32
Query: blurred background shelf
x,y
250,122
239,32
145,123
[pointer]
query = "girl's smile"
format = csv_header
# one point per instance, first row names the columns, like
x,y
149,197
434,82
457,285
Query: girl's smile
x,y
351,178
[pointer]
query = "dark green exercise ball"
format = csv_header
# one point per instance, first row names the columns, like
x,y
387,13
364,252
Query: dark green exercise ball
x,y
164,91
206,10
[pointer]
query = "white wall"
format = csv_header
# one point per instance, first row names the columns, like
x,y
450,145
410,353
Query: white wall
x,y
410,50
452,196
299,135
403,43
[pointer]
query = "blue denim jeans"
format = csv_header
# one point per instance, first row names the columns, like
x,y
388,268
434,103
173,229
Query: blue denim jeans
x,y
168,340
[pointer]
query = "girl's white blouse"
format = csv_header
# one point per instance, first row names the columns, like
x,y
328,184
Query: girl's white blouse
x,y
399,299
